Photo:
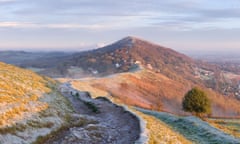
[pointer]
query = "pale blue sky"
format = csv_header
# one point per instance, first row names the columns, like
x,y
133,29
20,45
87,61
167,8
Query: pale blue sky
x,y
184,25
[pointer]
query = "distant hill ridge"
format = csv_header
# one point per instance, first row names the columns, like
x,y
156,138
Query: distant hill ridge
x,y
122,55
126,55
168,74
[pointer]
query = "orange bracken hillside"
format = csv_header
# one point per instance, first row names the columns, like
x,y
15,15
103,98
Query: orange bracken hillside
x,y
155,91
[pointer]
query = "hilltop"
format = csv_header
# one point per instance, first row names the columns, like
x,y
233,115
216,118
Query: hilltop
x,y
130,54
120,56
124,55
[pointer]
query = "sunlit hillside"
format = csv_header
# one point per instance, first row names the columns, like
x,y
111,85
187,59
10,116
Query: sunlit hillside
x,y
29,103
19,93
155,91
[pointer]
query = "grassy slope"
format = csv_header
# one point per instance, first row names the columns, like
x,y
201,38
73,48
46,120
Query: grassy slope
x,y
30,105
193,128
143,88
159,132
20,91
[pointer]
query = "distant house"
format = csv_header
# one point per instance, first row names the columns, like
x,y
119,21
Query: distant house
x,y
94,71
117,65
138,62
149,66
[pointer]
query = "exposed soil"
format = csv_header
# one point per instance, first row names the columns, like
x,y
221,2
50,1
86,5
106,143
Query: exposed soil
x,y
114,125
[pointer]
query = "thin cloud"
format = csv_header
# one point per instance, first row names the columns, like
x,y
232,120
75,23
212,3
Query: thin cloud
x,y
35,25
67,22
103,12
4,1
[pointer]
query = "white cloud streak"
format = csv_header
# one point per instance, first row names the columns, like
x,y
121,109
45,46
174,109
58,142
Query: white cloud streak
x,y
60,26
102,12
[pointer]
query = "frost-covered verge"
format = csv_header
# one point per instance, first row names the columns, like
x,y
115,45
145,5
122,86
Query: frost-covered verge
x,y
30,105
20,91
39,124
193,128
230,126
159,132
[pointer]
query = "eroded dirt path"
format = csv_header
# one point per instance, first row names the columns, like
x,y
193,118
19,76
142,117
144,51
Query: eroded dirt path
x,y
113,124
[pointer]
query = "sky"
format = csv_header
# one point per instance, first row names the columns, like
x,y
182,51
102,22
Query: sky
x,y
184,25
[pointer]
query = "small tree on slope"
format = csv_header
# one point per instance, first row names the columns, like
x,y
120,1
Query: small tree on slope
x,y
196,102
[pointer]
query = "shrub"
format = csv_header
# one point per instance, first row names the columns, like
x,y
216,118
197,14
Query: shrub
x,y
92,106
196,102
77,95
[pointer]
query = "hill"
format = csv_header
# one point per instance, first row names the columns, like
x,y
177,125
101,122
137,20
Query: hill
x,y
125,55
120,56
130,54
131,71
21,58
154,91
